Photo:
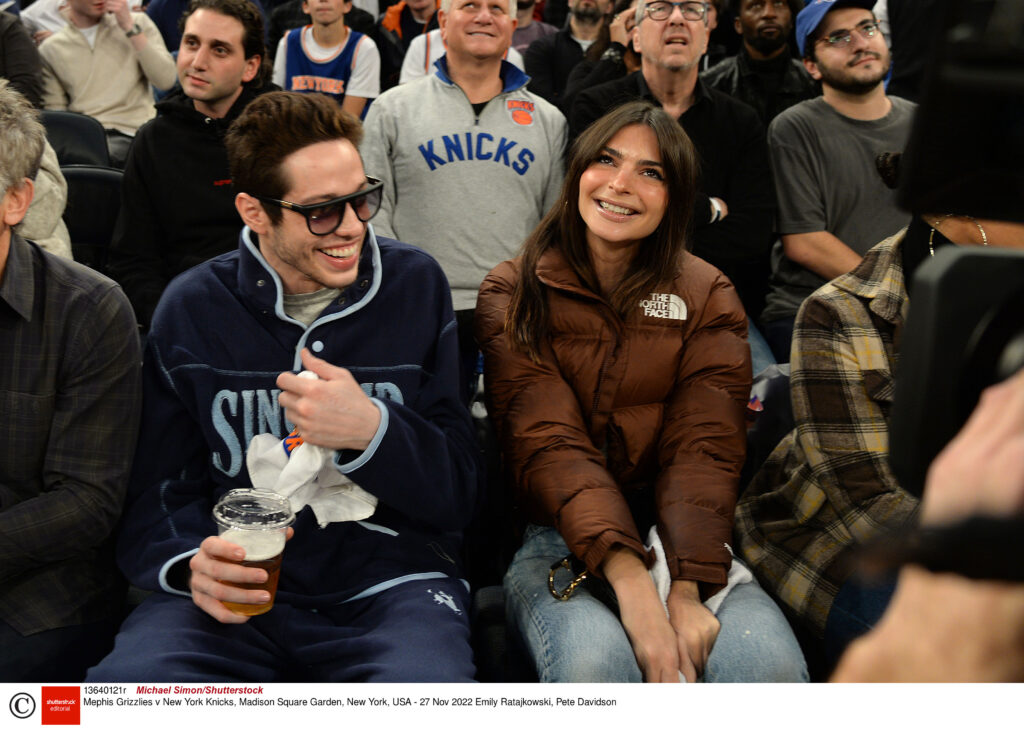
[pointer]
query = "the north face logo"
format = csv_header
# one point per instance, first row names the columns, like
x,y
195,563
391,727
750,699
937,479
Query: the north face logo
x,y
664,306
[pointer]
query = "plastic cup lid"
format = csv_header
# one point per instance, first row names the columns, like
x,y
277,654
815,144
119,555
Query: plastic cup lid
x,y
253,509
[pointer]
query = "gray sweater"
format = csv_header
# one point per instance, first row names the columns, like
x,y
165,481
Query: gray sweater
x,y
467,189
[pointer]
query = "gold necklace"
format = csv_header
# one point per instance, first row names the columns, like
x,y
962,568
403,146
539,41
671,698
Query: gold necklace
x,y
937,223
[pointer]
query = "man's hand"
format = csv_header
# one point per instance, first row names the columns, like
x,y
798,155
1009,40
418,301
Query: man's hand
x,y
943,627
332,412
122,13
981,471
696,628
622,26
216,561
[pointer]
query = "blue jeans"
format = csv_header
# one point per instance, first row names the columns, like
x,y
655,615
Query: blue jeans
x,y
779,335
582,639
760,353
857,607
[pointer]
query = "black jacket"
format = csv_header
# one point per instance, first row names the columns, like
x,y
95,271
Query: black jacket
x,y
914,28
549,61
19,60
738,77
732,153
177,202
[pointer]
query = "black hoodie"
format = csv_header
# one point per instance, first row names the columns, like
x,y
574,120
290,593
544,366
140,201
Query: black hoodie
x,y
177,202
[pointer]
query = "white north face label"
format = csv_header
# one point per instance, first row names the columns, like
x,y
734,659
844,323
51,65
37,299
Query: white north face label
x,y
664,306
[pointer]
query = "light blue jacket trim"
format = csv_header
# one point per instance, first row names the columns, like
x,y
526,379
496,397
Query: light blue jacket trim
x,y
374,527
381,587
167,567
272,273
374,442
370,241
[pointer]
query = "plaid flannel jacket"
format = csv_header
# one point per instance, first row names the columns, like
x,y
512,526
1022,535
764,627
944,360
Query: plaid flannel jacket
x,y
70,397
828,485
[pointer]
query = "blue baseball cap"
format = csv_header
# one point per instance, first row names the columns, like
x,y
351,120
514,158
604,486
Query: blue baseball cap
x,y
808,20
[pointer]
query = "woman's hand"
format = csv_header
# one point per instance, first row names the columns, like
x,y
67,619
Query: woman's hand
x,y
643,616
696,628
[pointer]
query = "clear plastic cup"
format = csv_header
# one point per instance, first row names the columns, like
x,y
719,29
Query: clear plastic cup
x,y
257,522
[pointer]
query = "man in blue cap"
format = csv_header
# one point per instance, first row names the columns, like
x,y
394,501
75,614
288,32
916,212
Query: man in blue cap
x,y
817,498
832,204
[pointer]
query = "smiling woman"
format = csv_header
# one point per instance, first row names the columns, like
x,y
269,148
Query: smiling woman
x,y
618,371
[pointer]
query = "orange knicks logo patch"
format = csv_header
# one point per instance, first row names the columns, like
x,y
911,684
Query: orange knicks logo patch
x,y
521,111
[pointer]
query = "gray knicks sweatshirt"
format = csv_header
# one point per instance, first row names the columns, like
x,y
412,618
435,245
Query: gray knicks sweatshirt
x,y
466,189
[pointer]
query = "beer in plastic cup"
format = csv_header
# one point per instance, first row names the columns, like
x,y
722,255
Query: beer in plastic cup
x,y
257,522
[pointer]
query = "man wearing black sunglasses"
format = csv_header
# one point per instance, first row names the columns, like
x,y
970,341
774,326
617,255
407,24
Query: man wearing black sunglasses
x,y
310,287
832,205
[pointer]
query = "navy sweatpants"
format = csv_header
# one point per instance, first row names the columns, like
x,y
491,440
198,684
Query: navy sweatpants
x,y
413,632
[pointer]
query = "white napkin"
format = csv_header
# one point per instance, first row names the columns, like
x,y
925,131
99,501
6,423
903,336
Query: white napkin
x,y
306,475
738,573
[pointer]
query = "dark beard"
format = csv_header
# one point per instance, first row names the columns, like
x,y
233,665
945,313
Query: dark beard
x,y
767,46
588,15
852,86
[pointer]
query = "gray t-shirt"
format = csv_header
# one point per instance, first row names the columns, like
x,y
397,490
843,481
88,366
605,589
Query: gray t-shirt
x,y
826,180
307,307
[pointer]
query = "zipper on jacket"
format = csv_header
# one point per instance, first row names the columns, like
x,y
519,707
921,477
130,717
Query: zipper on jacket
x,y
616,343
476,117
597,390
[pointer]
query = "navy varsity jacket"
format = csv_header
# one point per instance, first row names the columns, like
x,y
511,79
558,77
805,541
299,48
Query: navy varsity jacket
x,y
220,338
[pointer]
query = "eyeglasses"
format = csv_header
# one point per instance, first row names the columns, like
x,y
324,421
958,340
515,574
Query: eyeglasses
x,y
843,38
323,219
661,10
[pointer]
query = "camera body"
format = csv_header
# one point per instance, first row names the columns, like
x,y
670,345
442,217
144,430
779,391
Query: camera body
x,y
964,332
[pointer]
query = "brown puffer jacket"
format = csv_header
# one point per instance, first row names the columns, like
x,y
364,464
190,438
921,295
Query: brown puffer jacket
x,y
653,403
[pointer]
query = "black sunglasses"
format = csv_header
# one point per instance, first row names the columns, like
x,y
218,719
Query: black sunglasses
x,y
323,219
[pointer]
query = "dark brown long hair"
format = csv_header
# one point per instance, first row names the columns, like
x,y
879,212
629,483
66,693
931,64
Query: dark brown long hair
x,y
563,228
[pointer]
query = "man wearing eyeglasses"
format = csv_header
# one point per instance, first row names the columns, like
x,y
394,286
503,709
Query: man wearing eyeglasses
x,y
734,202
833,206
364,594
